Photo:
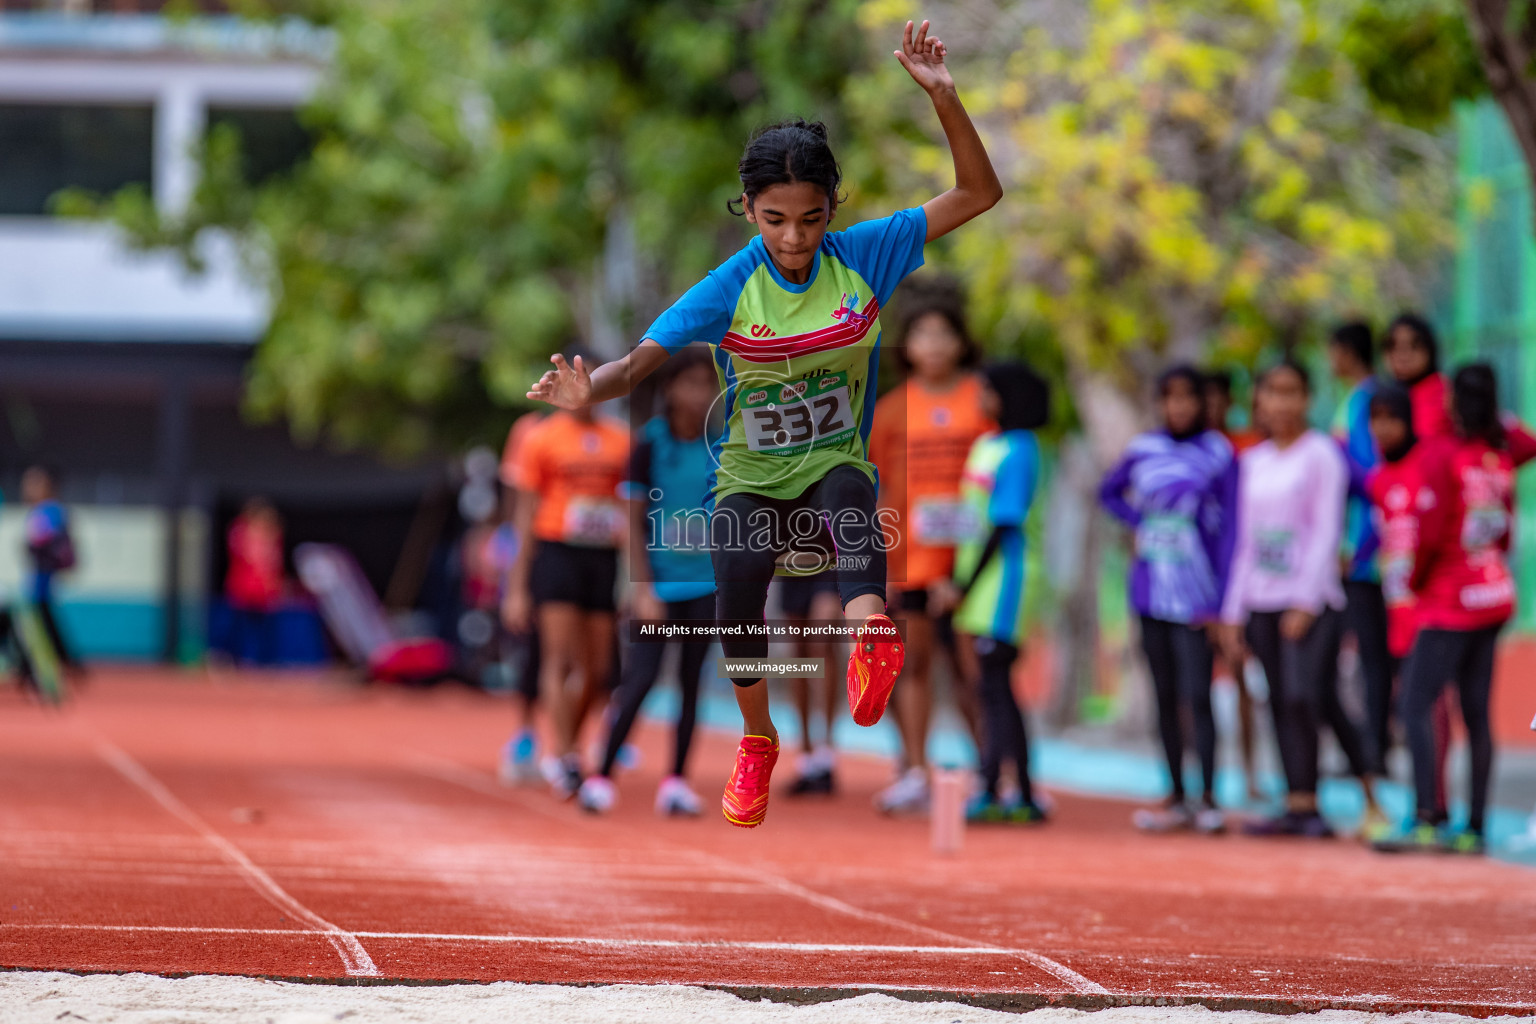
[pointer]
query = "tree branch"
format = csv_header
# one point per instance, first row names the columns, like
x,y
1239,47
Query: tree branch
x,y
1506,59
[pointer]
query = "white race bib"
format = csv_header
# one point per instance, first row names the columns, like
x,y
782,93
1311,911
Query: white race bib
x,y
1274,549
1396,572
795,417
1483,526
1167,539
593,522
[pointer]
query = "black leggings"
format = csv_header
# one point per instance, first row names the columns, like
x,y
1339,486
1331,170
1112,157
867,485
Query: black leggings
x,y
50,622
1179,658
834,516
1004,736
1304,694
640,675
1366,618
15,650
1440,655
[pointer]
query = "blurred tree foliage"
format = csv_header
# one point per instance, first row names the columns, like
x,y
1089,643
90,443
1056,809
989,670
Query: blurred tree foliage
x,y
1185,180
472,163
1415,58
1182,178
1505,34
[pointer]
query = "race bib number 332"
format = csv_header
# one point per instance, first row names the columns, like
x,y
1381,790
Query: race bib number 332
x,y
794,417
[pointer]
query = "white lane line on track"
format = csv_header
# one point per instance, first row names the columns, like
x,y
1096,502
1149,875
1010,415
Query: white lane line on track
x,y
547,940
450,771
353,956
1060,971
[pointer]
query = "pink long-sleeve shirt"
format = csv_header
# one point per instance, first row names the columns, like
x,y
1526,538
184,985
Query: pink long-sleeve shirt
x,y
1290,516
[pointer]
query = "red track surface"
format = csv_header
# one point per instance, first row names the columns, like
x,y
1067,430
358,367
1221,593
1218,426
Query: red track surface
x,y
311,829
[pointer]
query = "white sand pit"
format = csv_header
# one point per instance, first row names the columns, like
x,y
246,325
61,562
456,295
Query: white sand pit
x,y
51,998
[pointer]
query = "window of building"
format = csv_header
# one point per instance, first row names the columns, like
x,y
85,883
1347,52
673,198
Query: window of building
x,y
51,147
271,139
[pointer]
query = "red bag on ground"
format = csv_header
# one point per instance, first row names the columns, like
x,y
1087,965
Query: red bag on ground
x,y
419,660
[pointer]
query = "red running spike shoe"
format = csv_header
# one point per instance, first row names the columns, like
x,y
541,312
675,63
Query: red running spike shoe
x,y
873,667
745,803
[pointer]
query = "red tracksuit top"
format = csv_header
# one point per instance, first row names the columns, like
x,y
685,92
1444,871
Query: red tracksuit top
x,y
1431,414
1398,495
1461,573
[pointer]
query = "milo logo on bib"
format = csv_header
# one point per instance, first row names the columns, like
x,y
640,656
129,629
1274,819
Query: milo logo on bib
x,y
792,419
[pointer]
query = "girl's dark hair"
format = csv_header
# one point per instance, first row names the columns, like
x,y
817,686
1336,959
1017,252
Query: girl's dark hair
x,y
1393,401
940,297
1475,403
784,153
1423,335
1291,365
1355,337
1221,380
1025,396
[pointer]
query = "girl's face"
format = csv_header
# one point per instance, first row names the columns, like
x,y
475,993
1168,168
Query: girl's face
x,y
690,395
991,402
1218,406
1282,404
1180,407
934,347
35,486
791,218
1389,431
1407,357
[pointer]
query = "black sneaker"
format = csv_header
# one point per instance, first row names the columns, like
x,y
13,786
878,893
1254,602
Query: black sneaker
x,y
1302,824
817,783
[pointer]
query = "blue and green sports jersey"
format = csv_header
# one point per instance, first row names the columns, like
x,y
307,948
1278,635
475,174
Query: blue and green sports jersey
x,y
670,475
1352,429
998,485
797,362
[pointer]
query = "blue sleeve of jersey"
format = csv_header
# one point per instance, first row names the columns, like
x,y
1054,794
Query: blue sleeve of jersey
x,y
1362,445
700,314
1014,487
885,251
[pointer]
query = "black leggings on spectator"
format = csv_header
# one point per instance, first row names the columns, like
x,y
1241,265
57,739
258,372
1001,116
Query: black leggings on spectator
x,y
640,675
1366,617
1179,658
61,647
1004,736
1441,656
1303,680
748,532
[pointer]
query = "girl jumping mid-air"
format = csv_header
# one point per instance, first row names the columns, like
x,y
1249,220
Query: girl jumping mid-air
x,y
794,323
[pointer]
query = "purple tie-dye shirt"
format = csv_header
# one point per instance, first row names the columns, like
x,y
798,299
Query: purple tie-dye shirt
x,y
1180,496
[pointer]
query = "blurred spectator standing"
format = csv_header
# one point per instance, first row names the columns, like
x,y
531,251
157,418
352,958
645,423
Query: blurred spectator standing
x,y
50,550
254,584
125,371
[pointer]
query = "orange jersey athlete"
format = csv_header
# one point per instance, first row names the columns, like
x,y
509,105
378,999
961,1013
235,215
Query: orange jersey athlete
x,y
920,441
575,468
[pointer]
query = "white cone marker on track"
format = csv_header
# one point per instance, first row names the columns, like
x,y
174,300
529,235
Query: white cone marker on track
x,y
353,956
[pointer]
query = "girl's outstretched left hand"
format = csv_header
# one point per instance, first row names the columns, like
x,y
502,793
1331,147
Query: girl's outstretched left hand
x,y
923,57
